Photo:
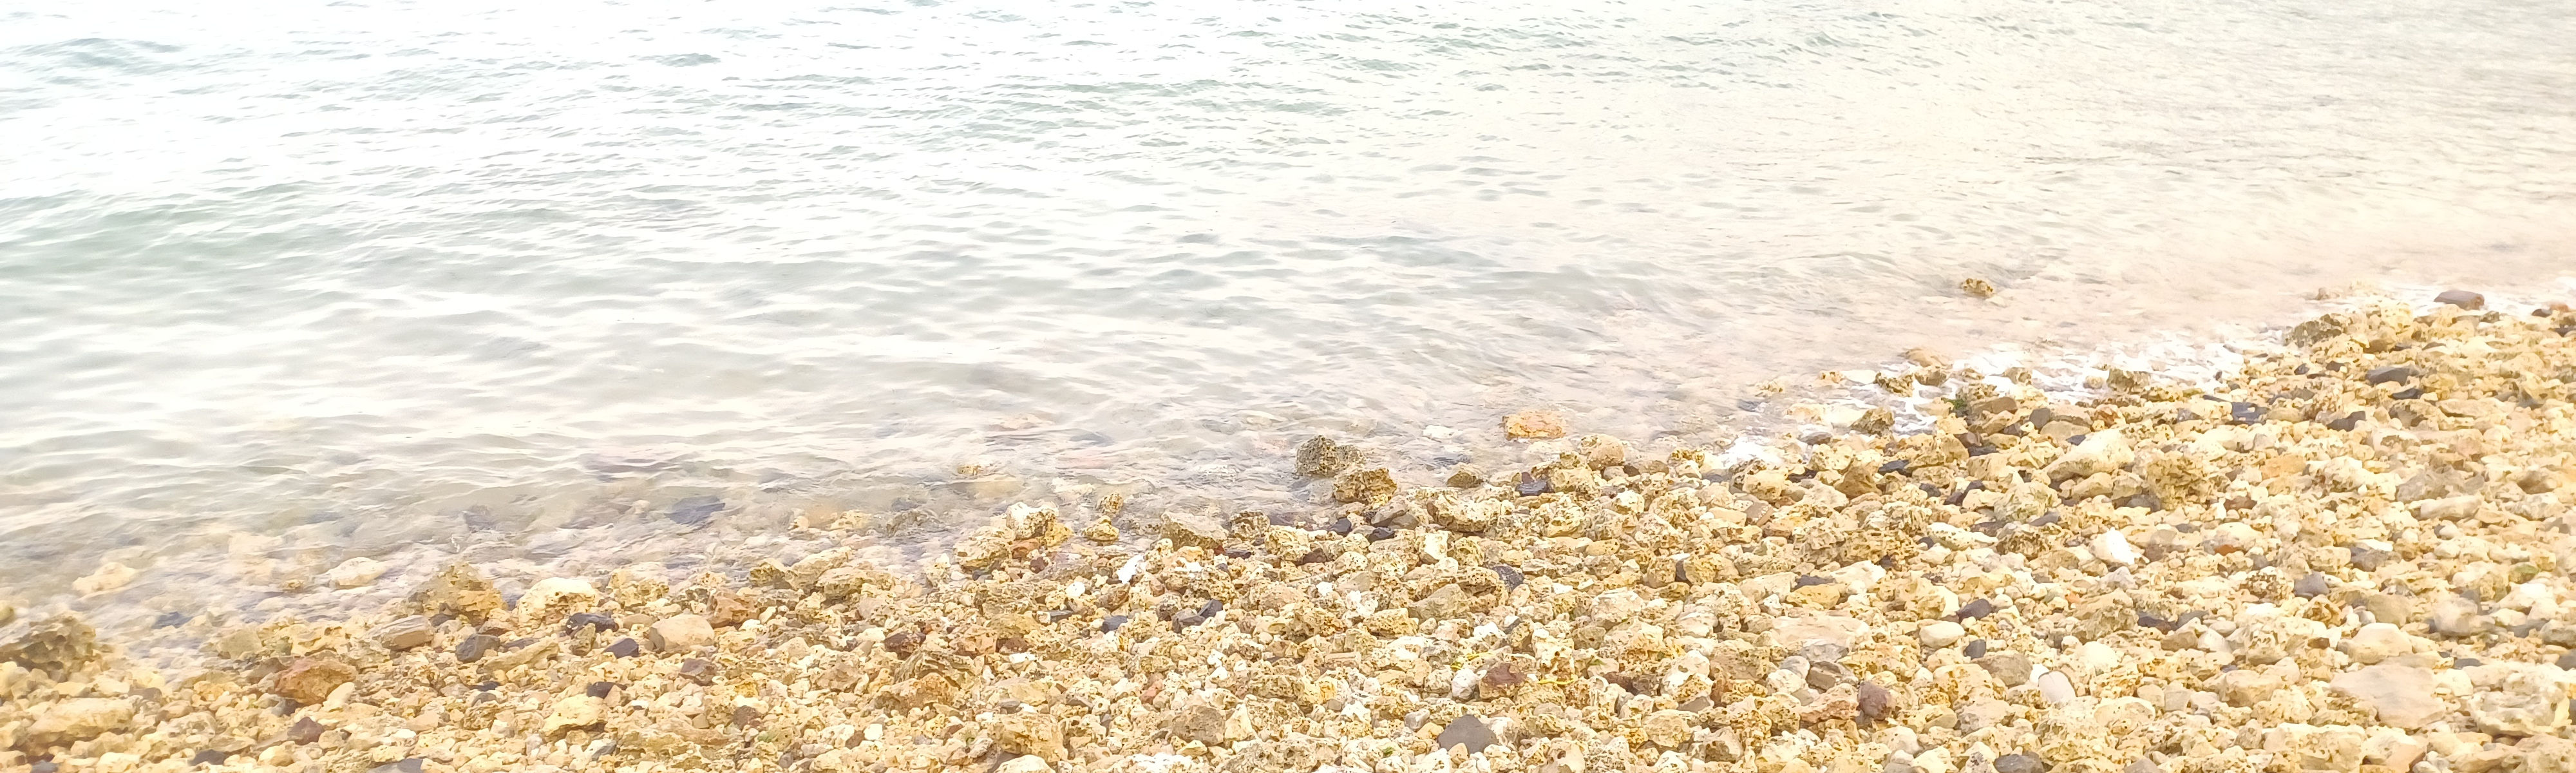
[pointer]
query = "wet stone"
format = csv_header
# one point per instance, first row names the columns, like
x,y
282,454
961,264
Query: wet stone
x,y
475,646
691,511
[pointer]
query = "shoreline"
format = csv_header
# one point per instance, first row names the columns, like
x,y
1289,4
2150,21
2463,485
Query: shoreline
x,y
2142,580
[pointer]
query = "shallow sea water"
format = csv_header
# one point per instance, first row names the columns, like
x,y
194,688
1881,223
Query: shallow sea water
x,y
290,282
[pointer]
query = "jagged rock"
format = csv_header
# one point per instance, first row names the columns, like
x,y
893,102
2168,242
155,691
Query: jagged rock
x,y
2457,616
404,633
1199,722
1534,425
60,643
2377,642
1320,457
1468,730
459,590
79,719
680,632
1371,485
2401,696
310,679
576,712
2527,701
357,572
556,597
1030,733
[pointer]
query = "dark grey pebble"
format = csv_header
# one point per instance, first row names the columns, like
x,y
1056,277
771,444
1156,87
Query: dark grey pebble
x,y
1315,556
210,757
45,766
1824,675
1805,580
1381,534
2046,519
1111,623
410,765
2567,660
599,689
2312,585
305,731
2019,763
1340,526
2389,374
1530,485
2462,298
1976,649
1873,701
692,511
1511,577
1975,608
488,685
1467,729
2466,662
2241,413
698,670
1897,467
594,620
2348,422
624,648
2408,393
475,646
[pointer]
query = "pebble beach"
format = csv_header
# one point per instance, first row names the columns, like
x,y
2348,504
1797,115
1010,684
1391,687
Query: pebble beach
x,y
2350,554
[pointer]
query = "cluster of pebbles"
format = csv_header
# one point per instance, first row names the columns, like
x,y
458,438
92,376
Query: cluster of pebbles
x,y
2351,556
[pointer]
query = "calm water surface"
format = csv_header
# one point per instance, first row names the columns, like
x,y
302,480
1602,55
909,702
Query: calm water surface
x,y
300,281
